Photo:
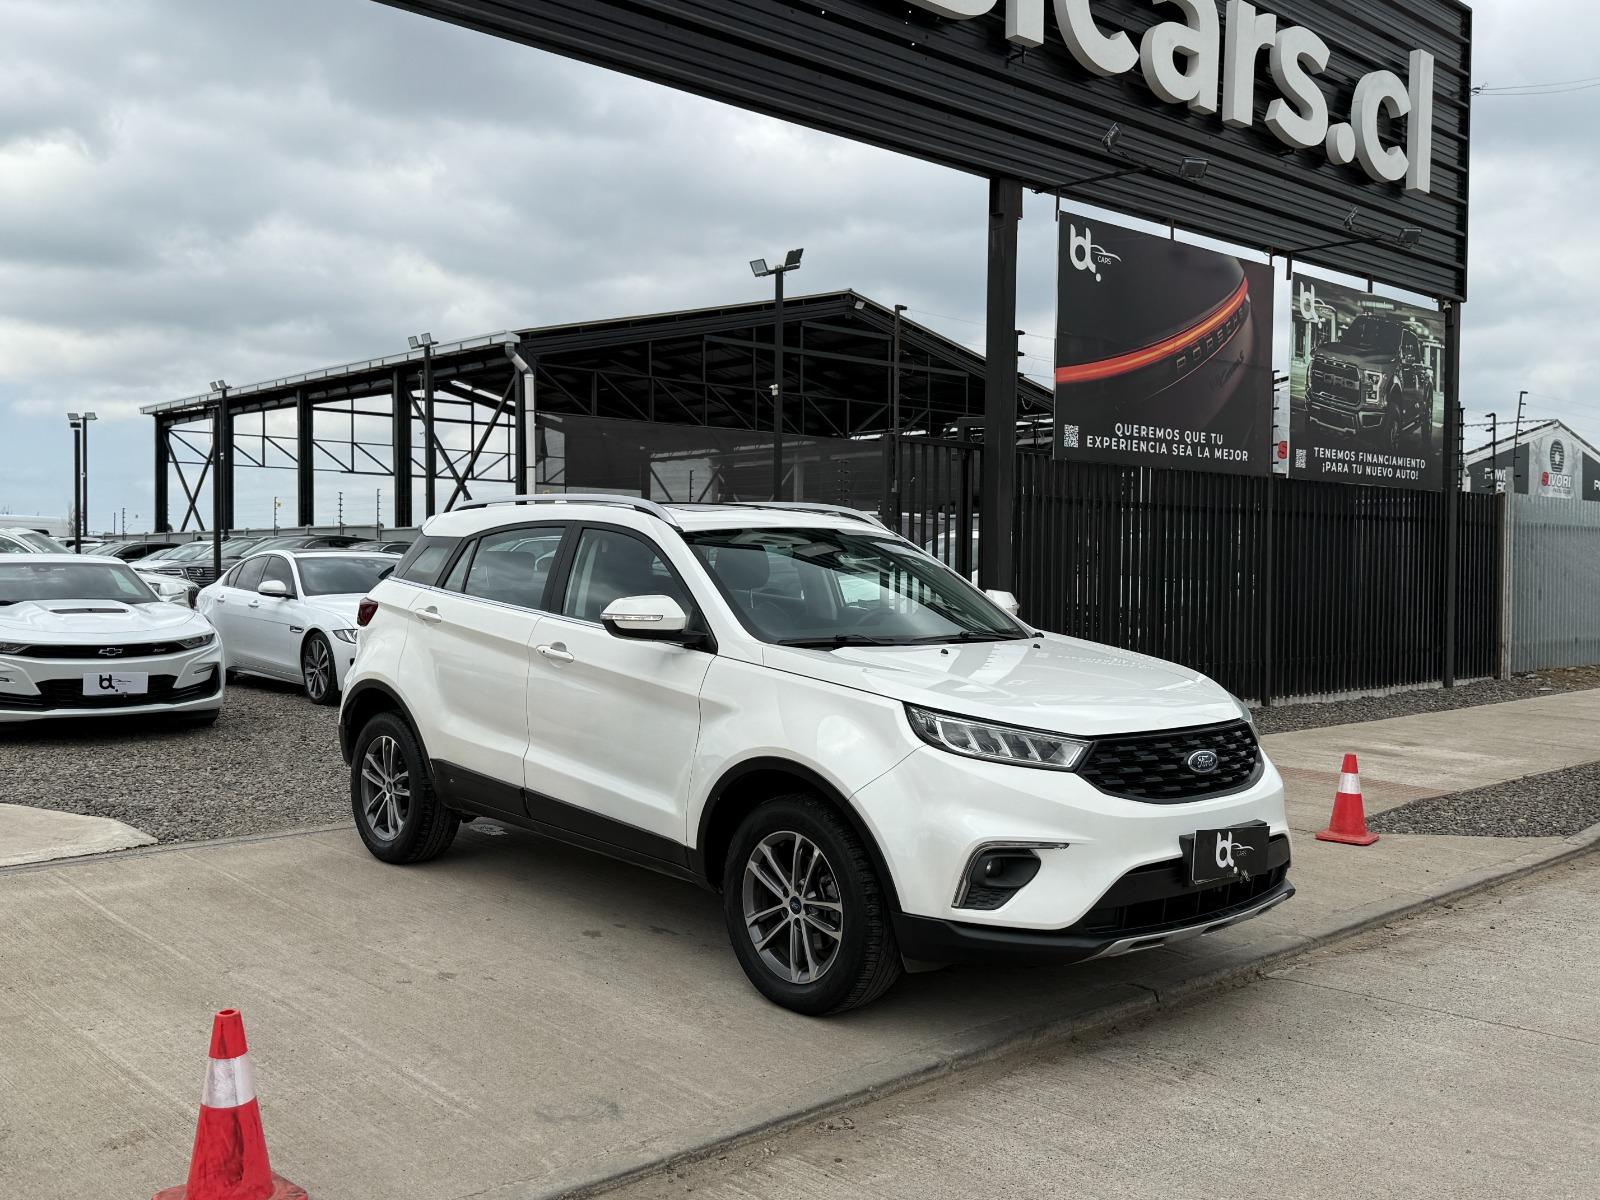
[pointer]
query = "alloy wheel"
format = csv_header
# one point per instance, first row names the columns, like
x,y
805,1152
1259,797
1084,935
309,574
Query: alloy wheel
x,y
385,788
317,666
793,909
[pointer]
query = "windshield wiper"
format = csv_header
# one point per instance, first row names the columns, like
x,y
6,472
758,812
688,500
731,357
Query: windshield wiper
x,y
839,640
971,635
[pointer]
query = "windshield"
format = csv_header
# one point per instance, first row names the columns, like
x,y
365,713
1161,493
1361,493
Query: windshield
x,y
342,576
21,581
1373,333
829,587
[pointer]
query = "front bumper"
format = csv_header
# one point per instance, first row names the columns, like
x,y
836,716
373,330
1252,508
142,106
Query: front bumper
x,y
34,689
930,815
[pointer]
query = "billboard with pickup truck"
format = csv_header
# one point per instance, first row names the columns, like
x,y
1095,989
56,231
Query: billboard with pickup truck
x,y
1366,388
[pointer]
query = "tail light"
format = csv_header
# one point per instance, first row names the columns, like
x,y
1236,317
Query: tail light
x,y
365,611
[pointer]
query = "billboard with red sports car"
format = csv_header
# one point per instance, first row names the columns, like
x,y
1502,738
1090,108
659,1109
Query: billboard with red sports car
x,y
1163,352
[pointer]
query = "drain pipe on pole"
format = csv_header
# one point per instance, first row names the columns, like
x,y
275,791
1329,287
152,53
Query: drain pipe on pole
x,y
527,423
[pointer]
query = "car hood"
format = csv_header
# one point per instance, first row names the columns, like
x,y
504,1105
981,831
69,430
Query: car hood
x,y
1354,356
1056,683
90,618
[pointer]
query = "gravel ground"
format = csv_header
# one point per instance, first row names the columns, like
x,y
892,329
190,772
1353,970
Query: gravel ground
x,y
271,762
1559,804
1407,704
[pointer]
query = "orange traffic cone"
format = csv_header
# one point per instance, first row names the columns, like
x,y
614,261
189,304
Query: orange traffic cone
x,y
230,1150
1349,823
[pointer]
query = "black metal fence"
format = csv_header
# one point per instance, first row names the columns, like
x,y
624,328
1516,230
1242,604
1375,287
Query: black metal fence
x,y
1273,587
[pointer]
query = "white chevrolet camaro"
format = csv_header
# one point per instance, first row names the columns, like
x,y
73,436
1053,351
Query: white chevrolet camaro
x,y
84,637
291,614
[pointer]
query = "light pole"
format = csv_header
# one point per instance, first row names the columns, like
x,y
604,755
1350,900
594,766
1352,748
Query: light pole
x,y
219,474
83,486
1494,452
425,342
76,422
1516,441
758,267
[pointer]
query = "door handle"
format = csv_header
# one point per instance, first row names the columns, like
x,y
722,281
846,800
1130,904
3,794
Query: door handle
x,y
222,599
556,653
431,615
255,604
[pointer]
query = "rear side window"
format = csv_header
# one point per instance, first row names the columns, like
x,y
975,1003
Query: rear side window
x,y
425,559
513,565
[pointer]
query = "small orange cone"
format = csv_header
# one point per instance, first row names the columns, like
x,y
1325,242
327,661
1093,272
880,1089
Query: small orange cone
x,y
1349,823
230,1149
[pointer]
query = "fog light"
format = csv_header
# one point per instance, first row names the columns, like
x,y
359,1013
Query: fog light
x,y
995,876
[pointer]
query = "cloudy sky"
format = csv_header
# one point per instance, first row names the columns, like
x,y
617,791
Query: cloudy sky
x,y
194,189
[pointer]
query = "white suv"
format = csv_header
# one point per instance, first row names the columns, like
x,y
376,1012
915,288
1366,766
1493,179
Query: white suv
x,y
872,761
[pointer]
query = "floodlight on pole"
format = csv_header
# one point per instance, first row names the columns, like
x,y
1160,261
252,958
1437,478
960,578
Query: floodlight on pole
x,y
760,269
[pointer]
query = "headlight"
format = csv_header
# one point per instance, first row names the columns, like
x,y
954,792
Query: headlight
x,y
194,643
12,647
1374,380
345,635
996,743
1244,712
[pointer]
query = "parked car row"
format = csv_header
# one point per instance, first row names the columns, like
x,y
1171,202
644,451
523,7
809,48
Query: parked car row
x,y
872,761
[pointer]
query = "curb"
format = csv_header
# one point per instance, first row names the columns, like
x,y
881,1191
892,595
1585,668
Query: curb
x,y
1052,1033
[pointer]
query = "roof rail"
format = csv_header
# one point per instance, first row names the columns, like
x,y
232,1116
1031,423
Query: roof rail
x,y
649,507
837,510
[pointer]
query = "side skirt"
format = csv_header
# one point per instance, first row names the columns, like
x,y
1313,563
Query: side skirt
x,y
478,795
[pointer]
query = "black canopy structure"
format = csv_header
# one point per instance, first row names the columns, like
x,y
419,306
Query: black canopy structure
x,y
516,407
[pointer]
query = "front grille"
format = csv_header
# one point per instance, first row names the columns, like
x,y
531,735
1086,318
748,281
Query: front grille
x,y
1121,913
126,650
68,694
1339,386
1153,767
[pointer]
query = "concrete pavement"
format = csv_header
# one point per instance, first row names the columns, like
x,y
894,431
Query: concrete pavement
x,y
519,1018
1451,1055
32,835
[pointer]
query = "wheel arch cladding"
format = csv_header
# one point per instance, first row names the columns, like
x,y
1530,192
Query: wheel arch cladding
x,y
363,703
744,787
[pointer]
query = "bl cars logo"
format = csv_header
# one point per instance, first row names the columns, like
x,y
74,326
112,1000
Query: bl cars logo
x,y
1085,255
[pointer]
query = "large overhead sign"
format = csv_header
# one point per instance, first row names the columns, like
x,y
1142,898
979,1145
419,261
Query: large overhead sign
x,y
1213,73
1301,109
1163,353
1366,388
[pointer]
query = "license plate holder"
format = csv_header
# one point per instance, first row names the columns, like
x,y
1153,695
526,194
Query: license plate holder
x,y
1217,856
116,683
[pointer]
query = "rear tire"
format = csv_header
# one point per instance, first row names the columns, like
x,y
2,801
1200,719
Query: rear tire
x,y
397,812
806,912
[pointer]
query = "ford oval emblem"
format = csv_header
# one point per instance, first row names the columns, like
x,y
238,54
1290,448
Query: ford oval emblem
x,y
1202,762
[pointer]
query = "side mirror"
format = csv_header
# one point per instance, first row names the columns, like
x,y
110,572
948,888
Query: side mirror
x,y
1004,600
648,618
275,588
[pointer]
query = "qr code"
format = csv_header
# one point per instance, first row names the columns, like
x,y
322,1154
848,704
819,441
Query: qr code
x,y
1300,459
1069,437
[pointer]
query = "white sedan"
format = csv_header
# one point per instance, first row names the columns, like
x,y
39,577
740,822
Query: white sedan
x,y
84,637
291,614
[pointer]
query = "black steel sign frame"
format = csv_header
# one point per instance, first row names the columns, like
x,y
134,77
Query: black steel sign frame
x,y
957,91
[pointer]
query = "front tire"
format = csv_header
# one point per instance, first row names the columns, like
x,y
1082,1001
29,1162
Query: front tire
x,y
397,812
806,912
318,675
